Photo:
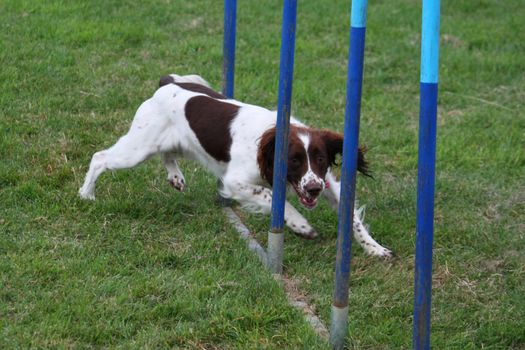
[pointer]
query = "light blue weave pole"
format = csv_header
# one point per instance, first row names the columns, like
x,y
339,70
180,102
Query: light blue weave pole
x,y
339,319
275,235
228,66
426,173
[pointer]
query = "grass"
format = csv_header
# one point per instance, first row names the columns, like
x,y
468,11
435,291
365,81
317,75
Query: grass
x,y
143,267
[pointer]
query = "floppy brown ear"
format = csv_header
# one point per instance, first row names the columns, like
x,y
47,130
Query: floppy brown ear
x,y
334,146
362,163
265,155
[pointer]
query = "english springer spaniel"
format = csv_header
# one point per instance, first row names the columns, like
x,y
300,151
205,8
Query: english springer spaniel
x,y
235,141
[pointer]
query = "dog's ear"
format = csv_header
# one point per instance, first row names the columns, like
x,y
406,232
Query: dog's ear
x,y
265,155
165,80
362,163
334,146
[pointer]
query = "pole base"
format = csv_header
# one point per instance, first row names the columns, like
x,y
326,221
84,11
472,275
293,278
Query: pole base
x,y
338,327
223,202
275,252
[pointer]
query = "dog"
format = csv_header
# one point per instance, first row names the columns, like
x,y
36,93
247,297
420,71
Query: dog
x,y
235,141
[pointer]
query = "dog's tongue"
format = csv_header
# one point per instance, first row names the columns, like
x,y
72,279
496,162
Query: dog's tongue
x,y
308,202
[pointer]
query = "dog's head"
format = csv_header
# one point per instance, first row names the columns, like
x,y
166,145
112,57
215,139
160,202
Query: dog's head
x,y
311,152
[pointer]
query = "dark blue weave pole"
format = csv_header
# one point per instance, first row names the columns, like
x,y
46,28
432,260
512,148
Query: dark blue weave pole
x,y
339,319
228,66
426,173
275,236
228,48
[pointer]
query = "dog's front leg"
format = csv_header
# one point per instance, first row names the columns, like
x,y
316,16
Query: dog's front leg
x,y
297,223
361,233
366,241
258,199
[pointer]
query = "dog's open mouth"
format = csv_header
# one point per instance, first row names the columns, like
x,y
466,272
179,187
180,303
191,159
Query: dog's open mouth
x,y
308,203
305,200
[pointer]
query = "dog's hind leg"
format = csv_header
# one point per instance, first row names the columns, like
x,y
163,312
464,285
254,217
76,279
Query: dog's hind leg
x,y
129,151
175,177
144,138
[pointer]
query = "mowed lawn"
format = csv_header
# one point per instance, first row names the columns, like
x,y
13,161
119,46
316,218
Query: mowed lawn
x,y
147,267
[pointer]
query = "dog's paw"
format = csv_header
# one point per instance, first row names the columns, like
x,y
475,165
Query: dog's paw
x,y
86,194
177,183
381,252
305,232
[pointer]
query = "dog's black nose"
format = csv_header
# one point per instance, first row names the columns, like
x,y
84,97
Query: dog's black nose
x,y
313,188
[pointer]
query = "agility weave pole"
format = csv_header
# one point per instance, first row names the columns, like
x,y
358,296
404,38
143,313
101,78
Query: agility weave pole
x,y
228,47
339,315
228,67
426,172
276,233
273,258
426,160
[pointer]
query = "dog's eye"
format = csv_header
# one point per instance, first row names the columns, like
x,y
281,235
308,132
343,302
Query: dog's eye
x,y
295,162
321,159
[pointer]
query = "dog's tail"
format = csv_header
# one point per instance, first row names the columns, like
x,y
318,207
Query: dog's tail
x,y
174,78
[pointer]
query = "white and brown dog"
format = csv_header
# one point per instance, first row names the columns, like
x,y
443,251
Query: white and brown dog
x,y
235,141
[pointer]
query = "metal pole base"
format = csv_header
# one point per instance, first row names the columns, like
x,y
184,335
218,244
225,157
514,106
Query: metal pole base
x,y
223,202
338,327
275,252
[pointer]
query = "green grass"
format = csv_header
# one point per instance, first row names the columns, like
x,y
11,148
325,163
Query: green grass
x,y
144,267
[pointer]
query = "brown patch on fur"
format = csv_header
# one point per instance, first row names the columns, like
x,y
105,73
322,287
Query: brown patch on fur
x,y
297,158
265,153
202,89
165,80
210,120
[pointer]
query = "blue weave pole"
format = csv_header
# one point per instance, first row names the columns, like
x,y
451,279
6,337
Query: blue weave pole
x,y
228,66
426,173
275,235
339,319
228,48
